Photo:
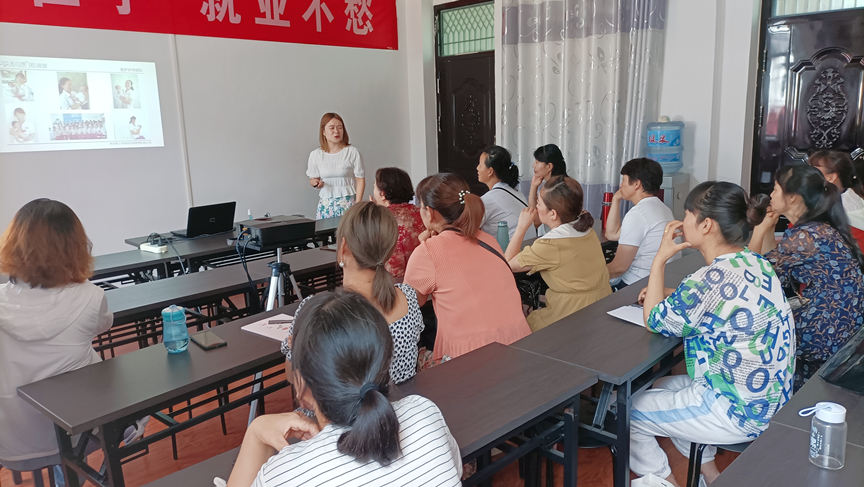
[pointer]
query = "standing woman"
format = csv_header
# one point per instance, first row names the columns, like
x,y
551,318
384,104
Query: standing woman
x,y
49,315
819,259
335,169
568,257
838,169
393,190
463,270
548,162
503,202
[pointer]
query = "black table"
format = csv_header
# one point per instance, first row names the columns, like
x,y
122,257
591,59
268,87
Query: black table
x,y
202,473
128,262
112,394
497,392
626,357
778,458
817,390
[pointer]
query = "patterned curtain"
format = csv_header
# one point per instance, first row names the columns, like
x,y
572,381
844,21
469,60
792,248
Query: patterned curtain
x,y
583,74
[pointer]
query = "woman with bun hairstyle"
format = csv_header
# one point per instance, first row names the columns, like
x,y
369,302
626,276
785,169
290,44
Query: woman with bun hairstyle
x,y
568,257
737,326
819,260
503,202
462,269
839,170
342,351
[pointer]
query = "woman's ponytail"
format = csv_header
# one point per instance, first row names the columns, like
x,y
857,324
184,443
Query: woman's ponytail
x,y
383,287
583,222
472,215
374,433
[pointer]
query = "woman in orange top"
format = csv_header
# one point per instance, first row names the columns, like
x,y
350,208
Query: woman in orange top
x,y
463,270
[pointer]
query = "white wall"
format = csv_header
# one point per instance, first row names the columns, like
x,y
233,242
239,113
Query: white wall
x,y
709,78
245,112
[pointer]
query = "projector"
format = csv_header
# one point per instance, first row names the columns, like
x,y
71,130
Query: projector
x,y
276,231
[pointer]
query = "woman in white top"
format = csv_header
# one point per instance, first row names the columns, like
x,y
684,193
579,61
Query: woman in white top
x,y
49,314
342,352
335,169
134,128
366,238
839,170
128,96
503,201
68,99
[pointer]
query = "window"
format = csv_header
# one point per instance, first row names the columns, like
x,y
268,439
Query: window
x,y
798,7
465,30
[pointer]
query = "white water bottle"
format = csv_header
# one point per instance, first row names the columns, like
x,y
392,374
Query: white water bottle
x,y
827,435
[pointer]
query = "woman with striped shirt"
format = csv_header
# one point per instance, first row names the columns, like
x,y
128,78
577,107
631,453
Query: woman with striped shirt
x,y
341,350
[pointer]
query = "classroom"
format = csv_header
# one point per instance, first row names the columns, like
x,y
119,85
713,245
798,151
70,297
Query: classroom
x,y
567,242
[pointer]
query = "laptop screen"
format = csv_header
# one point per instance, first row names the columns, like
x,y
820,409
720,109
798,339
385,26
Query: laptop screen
x,y
209,219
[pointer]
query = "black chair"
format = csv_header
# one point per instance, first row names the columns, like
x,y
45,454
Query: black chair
x,y
694,466
38,481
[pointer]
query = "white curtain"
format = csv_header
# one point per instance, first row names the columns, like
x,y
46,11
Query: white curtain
x,y
585,75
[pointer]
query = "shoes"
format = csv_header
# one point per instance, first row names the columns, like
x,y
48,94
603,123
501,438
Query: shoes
x,y
136,431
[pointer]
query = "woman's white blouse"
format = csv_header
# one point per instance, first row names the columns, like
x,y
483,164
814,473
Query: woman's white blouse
x,y
337,171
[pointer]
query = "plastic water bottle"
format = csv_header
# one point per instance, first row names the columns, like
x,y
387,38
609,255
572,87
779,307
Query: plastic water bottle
x,y
175,335
503,235
827,435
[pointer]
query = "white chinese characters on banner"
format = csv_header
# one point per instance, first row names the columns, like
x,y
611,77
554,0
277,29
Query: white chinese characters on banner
x,y
216,10
273,11
124,8
356,10
316,7
70,3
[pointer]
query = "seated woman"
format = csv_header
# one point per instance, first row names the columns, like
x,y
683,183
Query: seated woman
x,y
568,257
503,202
393,190
342,353
366,237
737,329
839,170
817,258
49,315
462,269
548,162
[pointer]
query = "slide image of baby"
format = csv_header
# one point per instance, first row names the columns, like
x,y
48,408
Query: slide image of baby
x,y
135,128
74,126
73,90
21,130
125,90
15,85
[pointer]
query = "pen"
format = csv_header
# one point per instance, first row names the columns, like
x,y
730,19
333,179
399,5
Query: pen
x,y
279,322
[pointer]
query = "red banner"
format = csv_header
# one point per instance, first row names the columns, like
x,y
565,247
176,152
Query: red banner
x,y
351,23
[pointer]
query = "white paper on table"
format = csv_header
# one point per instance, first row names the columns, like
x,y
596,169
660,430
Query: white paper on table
x,y
276,331
631,313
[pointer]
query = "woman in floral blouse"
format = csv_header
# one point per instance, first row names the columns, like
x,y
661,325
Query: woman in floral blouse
x,y
394,190
818,258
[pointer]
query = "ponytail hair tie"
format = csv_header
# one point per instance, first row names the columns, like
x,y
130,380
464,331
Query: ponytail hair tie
x,y
366,389
581,213
462,196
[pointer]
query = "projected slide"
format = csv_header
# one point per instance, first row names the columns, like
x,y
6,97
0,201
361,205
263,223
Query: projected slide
x,y
67,104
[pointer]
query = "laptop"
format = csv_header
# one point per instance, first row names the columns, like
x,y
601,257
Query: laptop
x,y
208,219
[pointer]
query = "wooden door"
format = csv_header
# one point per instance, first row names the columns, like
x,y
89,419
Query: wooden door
x,y
812,90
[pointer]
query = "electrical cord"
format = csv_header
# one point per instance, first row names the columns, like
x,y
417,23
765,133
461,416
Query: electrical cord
x,y
242,255
179,258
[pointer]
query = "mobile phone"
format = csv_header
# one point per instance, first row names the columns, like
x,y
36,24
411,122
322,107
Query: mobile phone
x,y
208,340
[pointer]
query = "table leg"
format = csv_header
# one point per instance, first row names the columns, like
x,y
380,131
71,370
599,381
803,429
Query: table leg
x,y
621,457
571,443
110,436
67,455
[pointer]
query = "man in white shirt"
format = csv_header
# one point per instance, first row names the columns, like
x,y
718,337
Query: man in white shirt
x,y
641,230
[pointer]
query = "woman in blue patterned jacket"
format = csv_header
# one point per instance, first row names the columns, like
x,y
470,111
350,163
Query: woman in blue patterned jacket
x,y
818,258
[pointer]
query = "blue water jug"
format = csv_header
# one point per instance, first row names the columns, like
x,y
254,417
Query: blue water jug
x,y
503,235
663,144
175,335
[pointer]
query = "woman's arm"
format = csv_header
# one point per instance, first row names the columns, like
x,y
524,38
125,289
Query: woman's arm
x,y
656,290
532,198
762,241
359,187
526,220
265,436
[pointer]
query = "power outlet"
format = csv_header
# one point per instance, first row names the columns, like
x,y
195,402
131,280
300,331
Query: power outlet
x,y
156,249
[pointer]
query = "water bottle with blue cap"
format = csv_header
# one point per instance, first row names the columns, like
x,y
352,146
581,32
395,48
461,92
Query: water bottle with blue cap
x,y
175,335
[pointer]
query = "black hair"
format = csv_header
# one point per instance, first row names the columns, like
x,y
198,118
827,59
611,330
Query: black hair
x,y
498,158
735,212
395,184
822,200
342,349
551,154
647,171
839,163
